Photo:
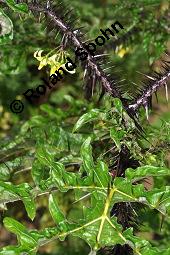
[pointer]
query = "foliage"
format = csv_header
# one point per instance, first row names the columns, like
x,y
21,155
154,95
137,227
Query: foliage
x,y
91,158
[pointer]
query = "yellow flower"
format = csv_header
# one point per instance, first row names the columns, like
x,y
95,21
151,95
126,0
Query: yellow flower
x,y
52,59
120,51
42,63
43,60
56,67
55,61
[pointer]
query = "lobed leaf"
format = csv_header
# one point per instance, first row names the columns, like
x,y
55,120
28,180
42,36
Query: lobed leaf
x,y
9,190
94,114
145,171
25,239
56,214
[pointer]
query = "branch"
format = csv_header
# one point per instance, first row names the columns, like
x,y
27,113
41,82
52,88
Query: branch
x,y
65,29
150,87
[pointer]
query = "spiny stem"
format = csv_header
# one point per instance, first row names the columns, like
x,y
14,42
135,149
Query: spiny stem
x,y
147,93
78,44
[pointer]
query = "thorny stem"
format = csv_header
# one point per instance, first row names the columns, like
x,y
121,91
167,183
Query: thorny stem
x,y
101,75
142,100
78,44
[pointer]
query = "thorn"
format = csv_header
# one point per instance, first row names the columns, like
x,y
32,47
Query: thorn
x,y
93,84
92,91
57,35
162,221
73,21
147,111
48,4
79,28
137,115
151,78
134,83
59,4
108,68
85,33
89,40
20,17
85,72
68,12
156,95
85,196
98,56
39,18
146,76
166,91
121,81
108,74
113,82
102,64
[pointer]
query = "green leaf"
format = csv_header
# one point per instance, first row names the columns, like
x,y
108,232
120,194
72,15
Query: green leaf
x,y
101,175
44,156
86,155
126,192
142,247
21,7
63,179
4,173
94,114
12,250
118,106
54,210
19,191
144,171
56,213
116,136
24,237
158,199
37,172
35,122
6,31
23,190
97,228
